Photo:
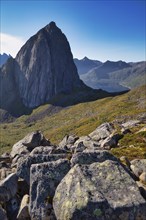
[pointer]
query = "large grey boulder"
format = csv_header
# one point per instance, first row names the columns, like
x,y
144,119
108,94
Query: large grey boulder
x,y
24,164
28,143
8,187
102,132
100,191
91,156
44,178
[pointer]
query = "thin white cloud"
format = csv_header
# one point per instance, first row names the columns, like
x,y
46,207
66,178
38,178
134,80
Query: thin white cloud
x,y
10,44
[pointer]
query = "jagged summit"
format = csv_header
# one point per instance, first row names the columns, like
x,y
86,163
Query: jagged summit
x,y
52,24
43,68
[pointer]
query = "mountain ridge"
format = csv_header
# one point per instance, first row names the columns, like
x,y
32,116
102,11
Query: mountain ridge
x,y
112,76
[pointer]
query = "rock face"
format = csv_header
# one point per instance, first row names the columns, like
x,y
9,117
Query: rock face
x,y
45,67
98,192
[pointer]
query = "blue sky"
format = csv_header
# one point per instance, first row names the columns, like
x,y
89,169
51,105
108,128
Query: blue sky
x,y
103,30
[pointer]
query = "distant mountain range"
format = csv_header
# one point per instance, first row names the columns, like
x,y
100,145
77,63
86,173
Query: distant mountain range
x,y
84,65
111,76
3,58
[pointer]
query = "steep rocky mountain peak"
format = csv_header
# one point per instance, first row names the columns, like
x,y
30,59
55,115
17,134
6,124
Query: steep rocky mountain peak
x,y
43,68
46,67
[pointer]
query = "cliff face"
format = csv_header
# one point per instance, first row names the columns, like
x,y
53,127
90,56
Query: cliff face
x,y
45,67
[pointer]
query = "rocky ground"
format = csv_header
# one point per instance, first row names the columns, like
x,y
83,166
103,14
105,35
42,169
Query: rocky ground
x,y
78,179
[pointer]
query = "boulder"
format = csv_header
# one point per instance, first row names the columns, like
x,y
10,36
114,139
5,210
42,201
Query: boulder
x,y
102,132
8,187
23,213
43,150
138,166
67,142
44,178
84,142
28,143
99,191
89,157
111,141
3,215
23,166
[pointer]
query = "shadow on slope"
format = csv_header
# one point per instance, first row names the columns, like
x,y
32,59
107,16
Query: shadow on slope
x,y
63,100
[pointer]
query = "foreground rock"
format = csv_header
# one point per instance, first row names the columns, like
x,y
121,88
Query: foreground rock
x,y
8,187
28,143
23,166
89,157
88,181
98,192
45,178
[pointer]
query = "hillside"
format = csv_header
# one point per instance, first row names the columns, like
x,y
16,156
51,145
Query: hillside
x,y
81,119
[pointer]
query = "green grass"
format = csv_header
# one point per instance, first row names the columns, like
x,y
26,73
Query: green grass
x,y
80,119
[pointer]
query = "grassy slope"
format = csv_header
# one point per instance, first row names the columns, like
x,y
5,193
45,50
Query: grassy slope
x,y
81,119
